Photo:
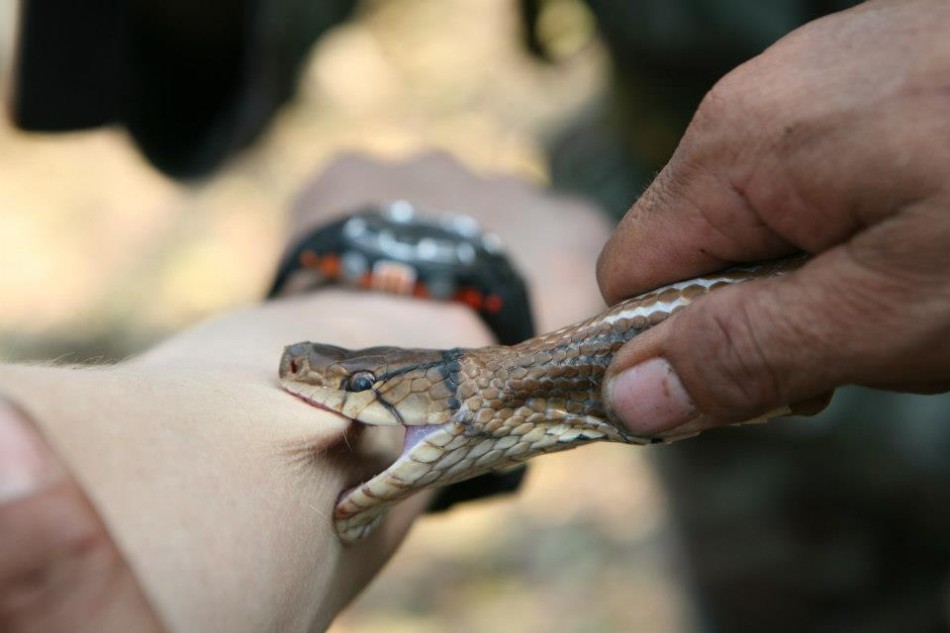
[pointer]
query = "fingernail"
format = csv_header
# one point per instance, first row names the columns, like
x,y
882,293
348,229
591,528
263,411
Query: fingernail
x,y
649,399
26,465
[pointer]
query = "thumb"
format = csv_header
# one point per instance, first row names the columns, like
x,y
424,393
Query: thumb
x,y
749,351
59,569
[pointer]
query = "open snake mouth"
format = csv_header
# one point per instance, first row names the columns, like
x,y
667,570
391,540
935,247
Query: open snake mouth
x,y
413,435
319,405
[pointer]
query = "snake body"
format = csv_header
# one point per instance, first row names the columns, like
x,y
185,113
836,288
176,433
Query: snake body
x,y
469,411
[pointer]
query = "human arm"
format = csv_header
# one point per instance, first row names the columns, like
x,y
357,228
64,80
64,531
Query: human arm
x,y
217,486
834,142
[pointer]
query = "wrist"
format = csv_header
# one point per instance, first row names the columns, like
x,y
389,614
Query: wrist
x,y
343,317
398,249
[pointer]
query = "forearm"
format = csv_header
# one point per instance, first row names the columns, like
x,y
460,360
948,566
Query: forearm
x,y
218,486
209,476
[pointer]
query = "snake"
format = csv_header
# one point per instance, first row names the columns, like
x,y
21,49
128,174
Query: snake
x,y
468,411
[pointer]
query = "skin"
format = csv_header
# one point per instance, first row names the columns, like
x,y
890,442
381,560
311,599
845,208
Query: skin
x,y
835,141
183,489
191,453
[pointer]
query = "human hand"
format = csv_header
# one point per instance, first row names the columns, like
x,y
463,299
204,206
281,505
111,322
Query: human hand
x,y
59,568
216,485
834,141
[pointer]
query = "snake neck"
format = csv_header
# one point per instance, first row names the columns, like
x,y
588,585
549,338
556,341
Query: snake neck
x,y
548,376
561,372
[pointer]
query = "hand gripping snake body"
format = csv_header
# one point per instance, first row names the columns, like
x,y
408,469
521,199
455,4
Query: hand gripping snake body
x,y
470,411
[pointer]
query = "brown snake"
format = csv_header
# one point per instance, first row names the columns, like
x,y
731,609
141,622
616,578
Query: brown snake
x,y
469,411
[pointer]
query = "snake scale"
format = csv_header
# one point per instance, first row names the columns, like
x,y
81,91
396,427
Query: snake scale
x,y
469,411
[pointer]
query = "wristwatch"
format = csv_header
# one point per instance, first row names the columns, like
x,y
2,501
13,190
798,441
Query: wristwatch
x,y
398,249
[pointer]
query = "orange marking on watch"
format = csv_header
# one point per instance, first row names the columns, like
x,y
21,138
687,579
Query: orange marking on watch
x,y
493,303
330,266
470,297
309,259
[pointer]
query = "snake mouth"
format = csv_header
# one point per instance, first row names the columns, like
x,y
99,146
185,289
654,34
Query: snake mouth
x,y
388,459
319,405
383,452
413,433
416,434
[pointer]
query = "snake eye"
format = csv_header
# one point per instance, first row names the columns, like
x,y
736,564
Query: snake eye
x,y
360,381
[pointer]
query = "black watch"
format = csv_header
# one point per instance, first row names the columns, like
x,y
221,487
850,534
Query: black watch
x,y
447,256
397,249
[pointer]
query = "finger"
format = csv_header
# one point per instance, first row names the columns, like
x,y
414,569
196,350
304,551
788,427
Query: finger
x,y
59,569
689,222
759,173
747,350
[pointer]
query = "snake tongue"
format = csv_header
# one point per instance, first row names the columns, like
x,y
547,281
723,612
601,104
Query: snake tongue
x,y
415,434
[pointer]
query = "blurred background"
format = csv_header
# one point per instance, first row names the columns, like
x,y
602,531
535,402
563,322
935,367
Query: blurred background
x,y
838,524
103,254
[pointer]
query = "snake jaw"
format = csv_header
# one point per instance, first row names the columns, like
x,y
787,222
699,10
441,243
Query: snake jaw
x,y
360,509
316,404
437,455
444,453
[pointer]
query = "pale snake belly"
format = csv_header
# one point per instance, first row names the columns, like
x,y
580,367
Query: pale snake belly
x,y
470,411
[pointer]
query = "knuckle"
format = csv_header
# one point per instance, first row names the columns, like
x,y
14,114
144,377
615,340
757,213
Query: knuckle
x,y
737,104
606,279
719,104
614,267
715,105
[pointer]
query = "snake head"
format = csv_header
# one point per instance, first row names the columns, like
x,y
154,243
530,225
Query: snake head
x,y
370,385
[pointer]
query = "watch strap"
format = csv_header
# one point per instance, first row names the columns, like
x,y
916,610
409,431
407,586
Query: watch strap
x,y
494,290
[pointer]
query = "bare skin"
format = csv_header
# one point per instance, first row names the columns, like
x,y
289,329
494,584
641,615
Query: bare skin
x,y
215,484
835,141
208,490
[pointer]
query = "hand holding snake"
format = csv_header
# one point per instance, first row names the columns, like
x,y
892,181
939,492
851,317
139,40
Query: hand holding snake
x,y
835,141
